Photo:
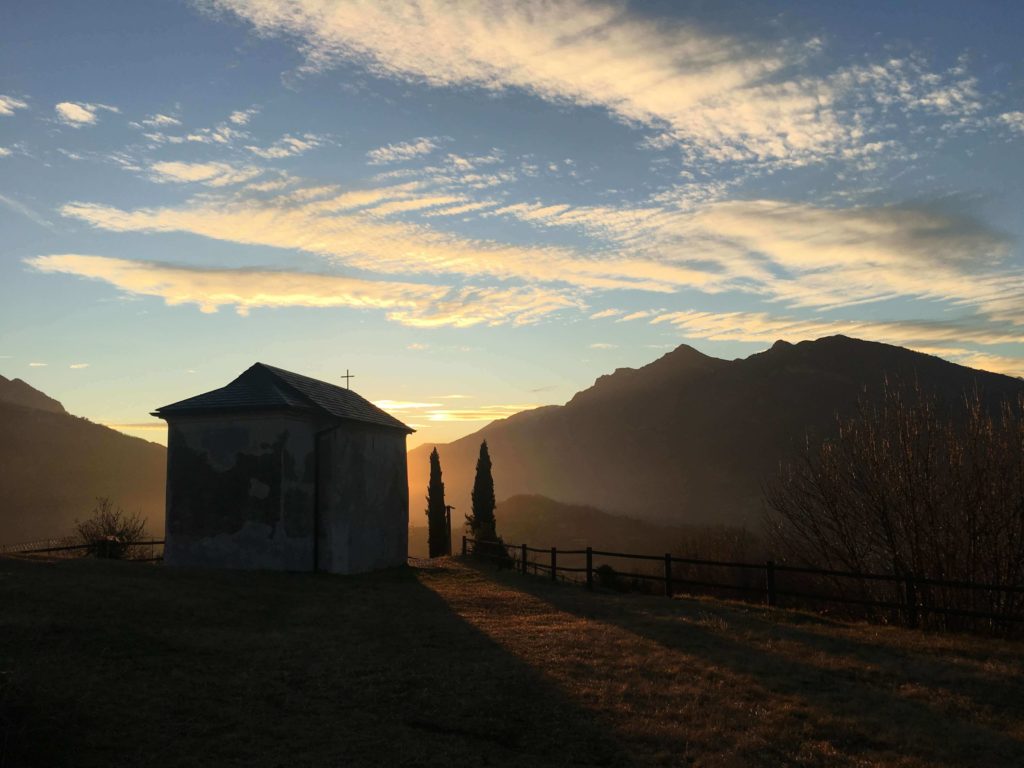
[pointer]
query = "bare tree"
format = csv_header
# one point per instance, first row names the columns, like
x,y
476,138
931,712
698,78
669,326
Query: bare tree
x,y
912,486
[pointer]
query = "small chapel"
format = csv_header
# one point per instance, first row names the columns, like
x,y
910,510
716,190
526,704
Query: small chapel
x,y
284,472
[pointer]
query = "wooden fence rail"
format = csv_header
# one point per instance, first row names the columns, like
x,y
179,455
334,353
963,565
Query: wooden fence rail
x,y
39,544
55,546
909,596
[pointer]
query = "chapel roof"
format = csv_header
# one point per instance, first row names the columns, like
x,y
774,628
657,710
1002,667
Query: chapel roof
x,y
264,387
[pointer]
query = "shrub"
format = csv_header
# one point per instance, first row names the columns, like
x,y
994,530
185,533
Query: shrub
x,y
110,532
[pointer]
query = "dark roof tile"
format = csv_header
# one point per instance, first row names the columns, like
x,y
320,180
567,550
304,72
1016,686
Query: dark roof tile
x,y
264,387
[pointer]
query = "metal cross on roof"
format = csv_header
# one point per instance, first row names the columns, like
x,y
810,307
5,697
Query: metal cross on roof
x,y
346,377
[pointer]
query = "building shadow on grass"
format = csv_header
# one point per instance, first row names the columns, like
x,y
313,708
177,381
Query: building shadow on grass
x,y
866,698
167,668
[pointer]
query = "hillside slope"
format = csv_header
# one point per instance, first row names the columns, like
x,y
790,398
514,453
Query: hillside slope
x,y
53,465
689,439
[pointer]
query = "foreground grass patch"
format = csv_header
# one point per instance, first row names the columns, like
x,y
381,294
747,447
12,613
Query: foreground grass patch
x,y
122,664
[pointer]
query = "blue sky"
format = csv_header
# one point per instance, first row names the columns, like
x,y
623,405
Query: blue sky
x,y
479,208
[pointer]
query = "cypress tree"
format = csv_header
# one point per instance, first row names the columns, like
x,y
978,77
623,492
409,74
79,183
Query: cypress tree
x,y
437,528
481,521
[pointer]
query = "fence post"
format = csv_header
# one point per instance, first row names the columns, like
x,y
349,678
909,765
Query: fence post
x,y
668,574
463,546
554,562
911,595
523,558
590,568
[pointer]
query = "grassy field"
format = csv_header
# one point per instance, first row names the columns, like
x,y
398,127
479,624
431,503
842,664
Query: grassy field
x,y
105,663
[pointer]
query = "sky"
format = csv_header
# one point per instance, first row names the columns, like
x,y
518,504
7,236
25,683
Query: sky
x,y
478,208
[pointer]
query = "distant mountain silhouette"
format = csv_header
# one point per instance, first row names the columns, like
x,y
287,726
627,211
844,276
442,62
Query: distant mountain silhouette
x,y
17,392
53,465
689,439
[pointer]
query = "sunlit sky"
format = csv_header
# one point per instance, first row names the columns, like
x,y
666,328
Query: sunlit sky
x,y
481,207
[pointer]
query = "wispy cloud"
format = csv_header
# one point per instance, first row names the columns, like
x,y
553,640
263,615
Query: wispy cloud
x,y
467,307
807,255
603,345
460,209
287,146
906,85
1014,120
418,203
348,227
483,413
404,405
221,133
24,210
796,254
211,174
813,256
639,315
471,172
37,365
413,304
765,327
243,116
158,120
77,114
243,289
727,98
8,105
394,153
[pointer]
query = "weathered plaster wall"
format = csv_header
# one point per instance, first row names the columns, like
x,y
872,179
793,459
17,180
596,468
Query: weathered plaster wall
x,y
364,496
240,492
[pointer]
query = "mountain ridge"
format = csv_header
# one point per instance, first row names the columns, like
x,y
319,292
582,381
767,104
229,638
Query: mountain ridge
x,y
18,392
689,438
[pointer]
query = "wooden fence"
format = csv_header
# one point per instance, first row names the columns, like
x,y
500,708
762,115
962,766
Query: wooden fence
x,y
909,599
140,551
38,545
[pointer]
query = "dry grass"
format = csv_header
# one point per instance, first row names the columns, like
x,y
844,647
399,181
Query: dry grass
x,y
124,664
705,682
